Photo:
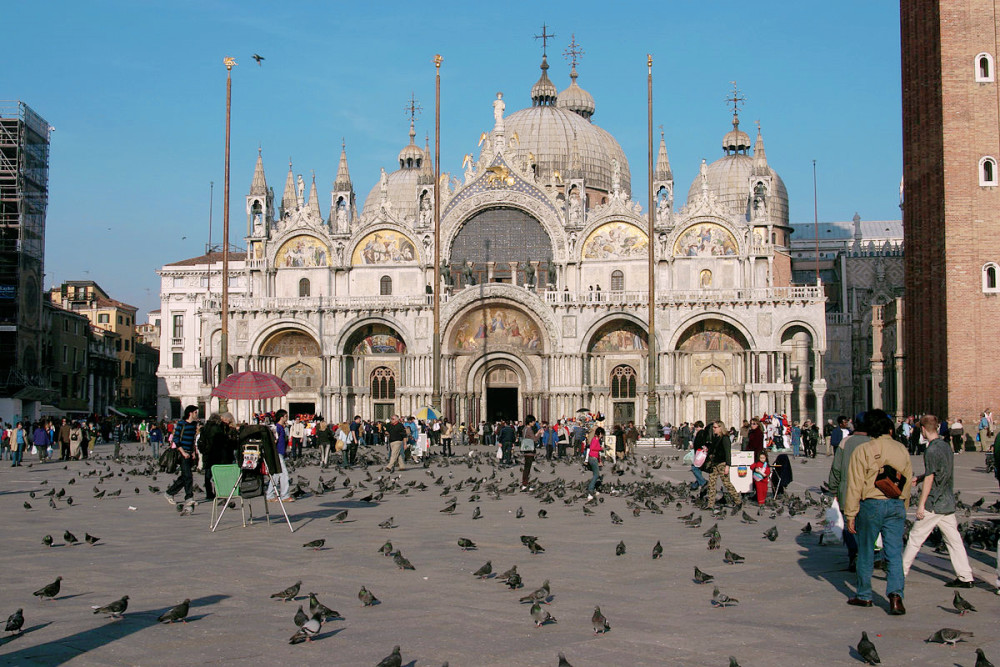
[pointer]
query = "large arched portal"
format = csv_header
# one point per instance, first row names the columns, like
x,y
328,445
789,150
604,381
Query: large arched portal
x,y
294,356
498,241
373,369
614,352
711,371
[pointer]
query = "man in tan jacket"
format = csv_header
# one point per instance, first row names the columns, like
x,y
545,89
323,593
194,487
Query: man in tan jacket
x,y
868,511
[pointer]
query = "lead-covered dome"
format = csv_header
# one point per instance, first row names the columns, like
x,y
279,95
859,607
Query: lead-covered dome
x,y
401,185
558,133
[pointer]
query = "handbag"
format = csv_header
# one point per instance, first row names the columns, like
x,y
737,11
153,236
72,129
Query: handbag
x,y
252,484
890,481
700,455
527,444
169,460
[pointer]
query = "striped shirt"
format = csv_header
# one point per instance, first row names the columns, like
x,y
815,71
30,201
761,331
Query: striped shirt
x,y
184,434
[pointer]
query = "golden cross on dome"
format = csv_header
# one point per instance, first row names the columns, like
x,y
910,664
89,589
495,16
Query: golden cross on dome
x,y
573,51
736,99
545,37
412,108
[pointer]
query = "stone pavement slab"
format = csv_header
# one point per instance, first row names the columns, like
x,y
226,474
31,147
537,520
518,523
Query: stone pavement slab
x,y
792,593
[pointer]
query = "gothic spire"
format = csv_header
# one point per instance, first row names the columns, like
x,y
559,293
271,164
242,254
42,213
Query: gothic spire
x,y
259,185
289,200
663,172
760,166
343,181
313,205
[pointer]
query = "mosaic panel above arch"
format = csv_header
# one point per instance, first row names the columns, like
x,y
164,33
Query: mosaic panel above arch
x,y
618,336
375,339
712,336
496,326
705,240
385,246
290,344
616,240
302,252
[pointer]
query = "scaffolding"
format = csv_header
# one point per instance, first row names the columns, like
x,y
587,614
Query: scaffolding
x,y
24,177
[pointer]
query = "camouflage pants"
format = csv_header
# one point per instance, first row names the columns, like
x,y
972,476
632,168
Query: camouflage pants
x,y
713,479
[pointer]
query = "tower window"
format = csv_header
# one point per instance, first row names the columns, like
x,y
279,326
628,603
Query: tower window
x,y
385,286
304,287
984,68
617,281
988,171
990,277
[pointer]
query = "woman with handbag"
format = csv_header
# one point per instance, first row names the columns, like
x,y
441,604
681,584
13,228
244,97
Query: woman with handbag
x,y
594,461
529,442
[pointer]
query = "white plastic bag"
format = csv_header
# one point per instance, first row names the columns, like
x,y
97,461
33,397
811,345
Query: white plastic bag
x,y
834,523
499,452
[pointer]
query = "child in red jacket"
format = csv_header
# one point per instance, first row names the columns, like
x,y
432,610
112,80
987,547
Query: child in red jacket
x,y
761,473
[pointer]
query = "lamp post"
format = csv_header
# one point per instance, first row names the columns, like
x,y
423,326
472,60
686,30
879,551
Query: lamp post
x,y
436,343
224,334
652,417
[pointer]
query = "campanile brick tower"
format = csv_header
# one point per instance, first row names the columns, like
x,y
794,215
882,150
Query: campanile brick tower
x,y
951,206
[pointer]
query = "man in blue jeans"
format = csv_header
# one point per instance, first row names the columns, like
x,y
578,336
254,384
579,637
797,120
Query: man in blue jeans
x,y
184,437
869,510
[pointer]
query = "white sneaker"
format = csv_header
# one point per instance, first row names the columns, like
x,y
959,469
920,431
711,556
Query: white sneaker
x,y
590,497
170,498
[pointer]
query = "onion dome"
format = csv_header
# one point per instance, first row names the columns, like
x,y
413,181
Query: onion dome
x,y
544,92
736,140
576,99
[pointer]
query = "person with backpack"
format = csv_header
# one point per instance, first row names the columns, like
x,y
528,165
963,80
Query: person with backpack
x,y
184,437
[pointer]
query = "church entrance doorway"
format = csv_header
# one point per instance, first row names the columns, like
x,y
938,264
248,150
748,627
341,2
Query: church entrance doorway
x,y
501,403
301,408
713,411
623,413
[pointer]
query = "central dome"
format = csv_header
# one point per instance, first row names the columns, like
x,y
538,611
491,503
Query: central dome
x,y
553,130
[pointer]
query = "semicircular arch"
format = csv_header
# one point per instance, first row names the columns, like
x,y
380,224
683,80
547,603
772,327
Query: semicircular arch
x,y
396,243
280,326
477,203
354,326
495,325
484,362
468,299
608,321
706,236
683,328
300,248
817,340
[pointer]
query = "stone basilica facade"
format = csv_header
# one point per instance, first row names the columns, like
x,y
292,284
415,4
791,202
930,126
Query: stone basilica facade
x,y
543,291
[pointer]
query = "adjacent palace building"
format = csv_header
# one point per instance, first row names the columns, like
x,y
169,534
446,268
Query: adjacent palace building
x,y
543,290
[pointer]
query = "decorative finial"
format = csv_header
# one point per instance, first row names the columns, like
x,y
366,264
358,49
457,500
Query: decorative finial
x,y
343,143
661,133
649,62
413,108
572,54
437,60
545,37
757,123
736,100
229,62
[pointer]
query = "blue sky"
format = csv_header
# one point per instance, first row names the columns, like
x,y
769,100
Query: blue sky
x,y
136,92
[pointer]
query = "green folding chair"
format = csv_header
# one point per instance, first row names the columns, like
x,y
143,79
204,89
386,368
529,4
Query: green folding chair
x,y
225,480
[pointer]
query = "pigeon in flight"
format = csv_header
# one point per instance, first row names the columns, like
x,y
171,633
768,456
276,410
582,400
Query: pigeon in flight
x,y
258,58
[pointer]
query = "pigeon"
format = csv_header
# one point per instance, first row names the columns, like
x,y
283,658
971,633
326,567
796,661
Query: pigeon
x,y
386,549
601,624
866,649
91,539
309,628
771,533
49,591
961,604
402,562
52,504
367,597
115,609
99,494
732,557
514,581
981,660
394,659
711,532
526,539
948,636
540,594
477,513
720,599
733,662
620,548
713,543
47,540
450,508
289,593
508,574
587,511
657,550
808,528
485,571
258,58
15,622
315,545
69,500
563,662
317,607
178,613
339,516
535,547
702,577
541,616
387,524
27,505
70,538
747,518
693,523
615,519
519,514
300,617
542,514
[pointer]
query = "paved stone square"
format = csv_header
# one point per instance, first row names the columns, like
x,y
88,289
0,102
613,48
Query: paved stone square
x,y
792,592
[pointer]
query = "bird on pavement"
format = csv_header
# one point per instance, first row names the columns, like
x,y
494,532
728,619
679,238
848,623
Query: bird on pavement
x,y
27,505
449,508
563,662
948,636
178,613
720,599
394,659
657,550
615,519
49,591
15,622
543,514
981,660
600,623
289,593
317,607
733,557
541,616
306,631
386,549
535,547
91,539
747,518
485,571
808,528
115,609
315,545
702,577
540,594
771,533
47,540
514,581
367,597
70,538
402,562
477,513
620,548
587,511
387,523
733,662
339,516
466,543
519,514
300,617
961,604
866,649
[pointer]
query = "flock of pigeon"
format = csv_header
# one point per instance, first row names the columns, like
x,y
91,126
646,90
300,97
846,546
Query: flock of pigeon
x,y
632,488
